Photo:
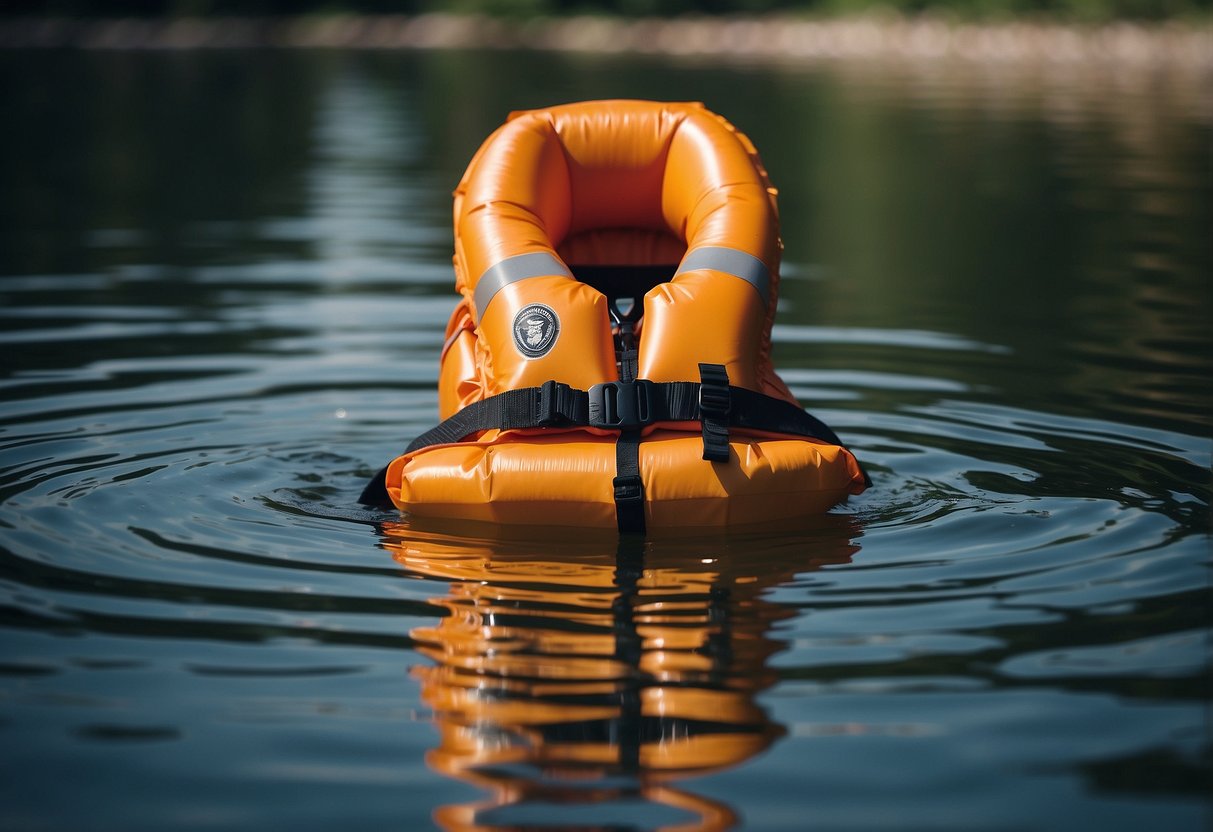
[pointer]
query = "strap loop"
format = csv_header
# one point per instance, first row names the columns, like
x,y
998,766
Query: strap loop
x,y
628,487
547,414
558,405
715,402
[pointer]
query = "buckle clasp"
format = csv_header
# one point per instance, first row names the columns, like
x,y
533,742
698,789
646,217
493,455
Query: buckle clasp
x,y
621,405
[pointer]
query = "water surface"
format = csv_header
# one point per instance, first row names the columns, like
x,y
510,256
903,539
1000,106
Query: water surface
x,y
224,279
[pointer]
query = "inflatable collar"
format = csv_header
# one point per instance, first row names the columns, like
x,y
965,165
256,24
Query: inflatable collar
x,y
609,361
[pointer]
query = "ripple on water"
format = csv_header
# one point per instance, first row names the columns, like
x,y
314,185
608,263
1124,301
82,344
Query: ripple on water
x,y
1008,629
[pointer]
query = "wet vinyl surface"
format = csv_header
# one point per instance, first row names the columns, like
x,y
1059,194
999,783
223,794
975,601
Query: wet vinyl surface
x,y
224,279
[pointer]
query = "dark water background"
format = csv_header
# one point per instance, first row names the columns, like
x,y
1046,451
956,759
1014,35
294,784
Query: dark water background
x,y
223,283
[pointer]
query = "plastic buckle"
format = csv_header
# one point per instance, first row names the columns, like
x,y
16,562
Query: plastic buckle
x,y
548,413
621,405
628,489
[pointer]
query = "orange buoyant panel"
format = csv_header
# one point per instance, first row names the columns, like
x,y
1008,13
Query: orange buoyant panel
x,y
564,479
721,327
580,355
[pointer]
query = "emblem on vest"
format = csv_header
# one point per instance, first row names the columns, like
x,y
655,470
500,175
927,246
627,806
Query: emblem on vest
x,y
536,329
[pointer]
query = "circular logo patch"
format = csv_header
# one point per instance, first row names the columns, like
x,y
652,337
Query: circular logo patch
x,y
536,329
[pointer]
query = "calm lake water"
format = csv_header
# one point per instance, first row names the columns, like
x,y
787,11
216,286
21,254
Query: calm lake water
x,y
223,284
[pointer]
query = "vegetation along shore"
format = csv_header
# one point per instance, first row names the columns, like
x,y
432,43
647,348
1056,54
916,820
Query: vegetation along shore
x,y
1169,44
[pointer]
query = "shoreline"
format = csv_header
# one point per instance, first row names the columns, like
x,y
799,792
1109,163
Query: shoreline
x,y
1170,46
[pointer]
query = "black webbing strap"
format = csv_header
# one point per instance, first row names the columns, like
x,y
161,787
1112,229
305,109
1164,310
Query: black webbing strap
x,y
552,405
375,491
715,401
633,407
558,405
628,487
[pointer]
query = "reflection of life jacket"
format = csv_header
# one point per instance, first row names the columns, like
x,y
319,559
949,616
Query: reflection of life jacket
x,y
562,404
579,671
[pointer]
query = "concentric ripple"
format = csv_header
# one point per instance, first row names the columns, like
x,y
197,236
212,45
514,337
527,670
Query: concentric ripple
x,y
996,299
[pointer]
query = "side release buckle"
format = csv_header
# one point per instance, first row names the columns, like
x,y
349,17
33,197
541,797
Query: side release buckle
x,y
621,405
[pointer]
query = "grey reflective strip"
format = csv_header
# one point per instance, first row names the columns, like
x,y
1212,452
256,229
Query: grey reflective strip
x,y
511,270
730,261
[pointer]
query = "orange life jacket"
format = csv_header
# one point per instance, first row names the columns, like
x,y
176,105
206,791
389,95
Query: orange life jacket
x,y
562,406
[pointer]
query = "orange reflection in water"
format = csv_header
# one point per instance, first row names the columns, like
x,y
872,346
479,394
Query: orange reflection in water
x,y
595,673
